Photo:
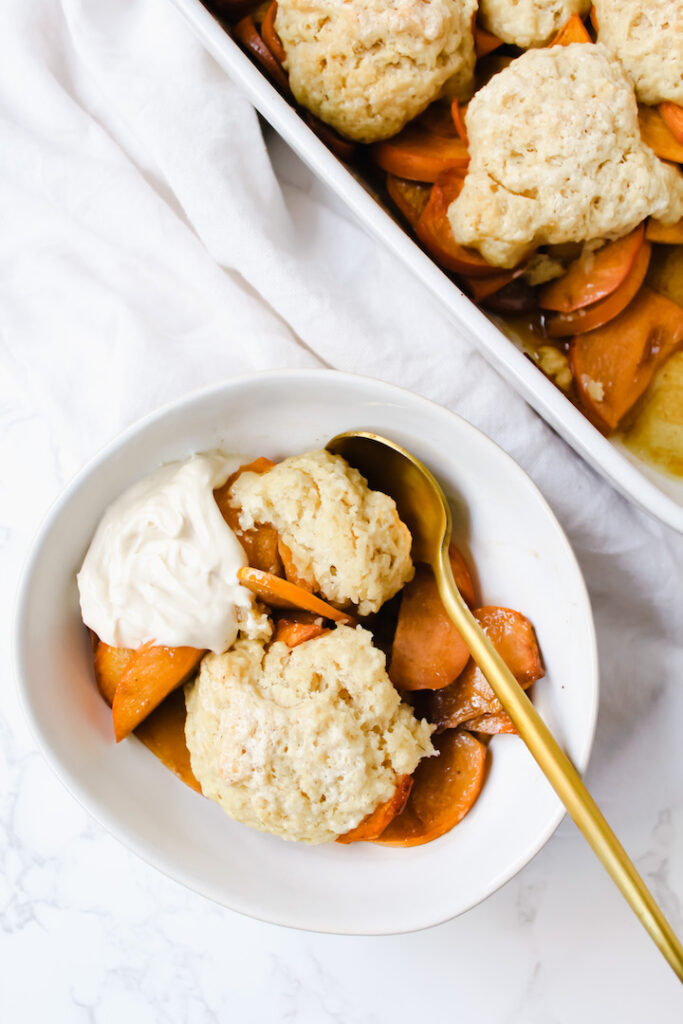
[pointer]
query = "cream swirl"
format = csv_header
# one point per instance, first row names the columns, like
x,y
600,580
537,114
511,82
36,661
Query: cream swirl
x,y
163,563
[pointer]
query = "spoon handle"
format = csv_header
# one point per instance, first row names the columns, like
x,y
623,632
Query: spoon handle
x,y
558,769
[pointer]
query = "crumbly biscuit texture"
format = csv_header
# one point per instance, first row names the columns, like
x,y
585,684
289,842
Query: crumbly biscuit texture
x,y
556,156
366,67
302,743
543,268
347,542
253,622
647,37
528,22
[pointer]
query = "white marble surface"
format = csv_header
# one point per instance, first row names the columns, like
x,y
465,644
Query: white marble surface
x,y
89,933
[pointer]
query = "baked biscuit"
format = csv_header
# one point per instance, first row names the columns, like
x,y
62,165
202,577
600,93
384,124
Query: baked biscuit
x,y
302,742
347,541
366,67
648,40
528,23
557,156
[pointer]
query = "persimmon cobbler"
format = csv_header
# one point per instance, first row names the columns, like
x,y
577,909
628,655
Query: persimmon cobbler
x,y
533,149
263,630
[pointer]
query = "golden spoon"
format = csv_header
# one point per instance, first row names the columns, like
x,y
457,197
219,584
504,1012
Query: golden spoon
x,y
423,508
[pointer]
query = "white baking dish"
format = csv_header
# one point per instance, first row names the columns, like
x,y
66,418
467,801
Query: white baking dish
x,y
653,491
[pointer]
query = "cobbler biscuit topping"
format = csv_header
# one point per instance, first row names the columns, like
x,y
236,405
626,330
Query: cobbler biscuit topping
x,y
347,541
302,742
648,40
528,22
367,67
557,156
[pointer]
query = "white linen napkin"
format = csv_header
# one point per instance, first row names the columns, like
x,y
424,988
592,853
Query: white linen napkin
x,y
150,242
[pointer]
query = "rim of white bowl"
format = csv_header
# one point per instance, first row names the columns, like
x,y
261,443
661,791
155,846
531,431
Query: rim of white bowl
x,y
128,838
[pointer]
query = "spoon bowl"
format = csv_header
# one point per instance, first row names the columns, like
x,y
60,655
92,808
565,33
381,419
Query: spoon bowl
x,y
387,467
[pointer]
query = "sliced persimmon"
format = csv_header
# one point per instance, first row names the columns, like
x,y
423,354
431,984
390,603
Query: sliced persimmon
x,y
435,232
262,545
444,789
109,665
437,120
259,465
462,575
247,34
289,565
656,133
589,280
564,325
673,118
485,42
664,234
163,732
279,593
491,724
513,299
470,695
293,633
150,675
428,651
573,31
458,119
343,148
410,197
514,637
372,826
481,288
299,615
270,36
419,155
261,542
613,366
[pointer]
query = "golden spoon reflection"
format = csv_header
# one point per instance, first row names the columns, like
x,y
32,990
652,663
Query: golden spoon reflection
x,y
424,509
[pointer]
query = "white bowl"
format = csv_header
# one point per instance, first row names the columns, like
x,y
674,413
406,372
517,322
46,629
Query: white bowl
x,y
523,561
658,492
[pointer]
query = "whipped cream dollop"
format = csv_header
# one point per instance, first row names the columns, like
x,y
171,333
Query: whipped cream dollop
x,y
162,566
